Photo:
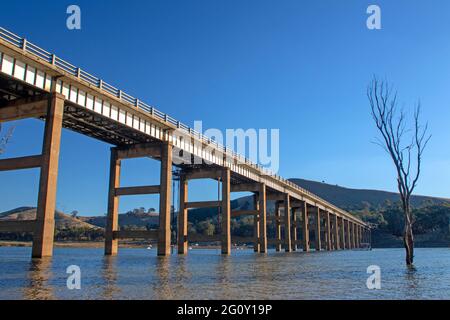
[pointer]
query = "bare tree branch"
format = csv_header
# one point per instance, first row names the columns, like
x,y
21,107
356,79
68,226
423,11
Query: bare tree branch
x,y
391,122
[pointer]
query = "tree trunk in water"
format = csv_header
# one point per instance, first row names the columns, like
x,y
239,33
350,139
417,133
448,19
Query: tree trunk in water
x,y
408,239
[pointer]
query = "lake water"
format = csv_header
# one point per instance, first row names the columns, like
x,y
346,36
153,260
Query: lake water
x,y
205,274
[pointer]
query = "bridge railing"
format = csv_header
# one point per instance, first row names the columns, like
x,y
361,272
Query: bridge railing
x,y
59,63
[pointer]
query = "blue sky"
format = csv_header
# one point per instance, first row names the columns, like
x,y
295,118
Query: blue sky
x,y
298,66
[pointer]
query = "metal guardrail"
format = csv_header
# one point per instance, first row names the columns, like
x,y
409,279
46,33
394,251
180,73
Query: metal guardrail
x,y
65,66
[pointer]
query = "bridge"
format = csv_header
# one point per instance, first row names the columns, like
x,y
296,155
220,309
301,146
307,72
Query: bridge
x,y
35,83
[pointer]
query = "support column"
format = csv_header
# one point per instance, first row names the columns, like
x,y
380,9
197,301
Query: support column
x,y
294,229
183,217
262,218
328,231
353,236
318,242
287,224
349,237
343,244
256,224
164,233
226,212
305,227
277,226
45,216
336,233
112,220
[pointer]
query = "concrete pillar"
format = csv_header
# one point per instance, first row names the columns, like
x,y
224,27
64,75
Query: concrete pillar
x,y
360,236
112,220
226,212
336,233
45,216
353,236
164,233
277,226
317,233
343,244
256,224
305,227
328,231
349,237
294,229
183,217
262,218
287,224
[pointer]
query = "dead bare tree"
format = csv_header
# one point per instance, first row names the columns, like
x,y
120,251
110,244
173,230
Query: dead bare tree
x,y
404,145
5,139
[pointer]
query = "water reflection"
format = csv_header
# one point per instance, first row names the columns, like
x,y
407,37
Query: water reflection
x,y
163,288
205,274
38,276
109,274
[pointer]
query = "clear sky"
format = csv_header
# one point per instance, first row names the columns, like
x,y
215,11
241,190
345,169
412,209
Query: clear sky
x,y
298,66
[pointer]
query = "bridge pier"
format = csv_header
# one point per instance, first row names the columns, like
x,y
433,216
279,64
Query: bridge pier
x,y
226,212
277,227
262,218
287,224
318,242
342,234
336,233
183,217
163,151
349,238
294,229
256,224
305,227
51,107
328,231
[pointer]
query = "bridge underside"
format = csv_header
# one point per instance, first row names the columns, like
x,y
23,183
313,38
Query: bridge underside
x,y
296,220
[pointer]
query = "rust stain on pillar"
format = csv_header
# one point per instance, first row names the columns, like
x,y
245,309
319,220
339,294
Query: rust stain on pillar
x,y
45,216
164,199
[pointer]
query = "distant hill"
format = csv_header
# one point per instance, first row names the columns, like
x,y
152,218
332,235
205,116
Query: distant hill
x,y
355,199
62,220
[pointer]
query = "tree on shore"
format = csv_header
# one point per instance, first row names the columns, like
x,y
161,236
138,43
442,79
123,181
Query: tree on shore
x,y
404,145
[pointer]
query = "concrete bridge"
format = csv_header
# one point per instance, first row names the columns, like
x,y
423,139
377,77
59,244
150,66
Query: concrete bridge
x,y
37,84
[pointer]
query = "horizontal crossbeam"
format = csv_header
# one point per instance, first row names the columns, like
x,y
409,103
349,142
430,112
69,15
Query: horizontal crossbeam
x,y
132,191
238,213
20,163
24,108
139,151
202,204
210,173
245,187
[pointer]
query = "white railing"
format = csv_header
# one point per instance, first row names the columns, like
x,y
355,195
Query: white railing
x,y
65,66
